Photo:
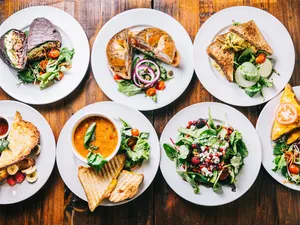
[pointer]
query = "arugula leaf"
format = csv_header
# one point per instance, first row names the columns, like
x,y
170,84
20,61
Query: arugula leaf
x,y
266,82
3,144
154,98
144,135
89,134
128,88
96,161
187,178
170,151
280,147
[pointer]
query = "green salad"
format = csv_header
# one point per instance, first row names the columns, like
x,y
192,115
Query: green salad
x,y
148,77
287,159
134,144
208,154
49,70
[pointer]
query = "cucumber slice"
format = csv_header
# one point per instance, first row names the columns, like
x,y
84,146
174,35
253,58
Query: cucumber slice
x,y
241,81
265,69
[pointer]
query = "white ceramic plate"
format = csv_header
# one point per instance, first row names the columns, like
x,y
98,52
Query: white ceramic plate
x,y
138,19
73,36
68,164
275,34
44,162
264,128
248,173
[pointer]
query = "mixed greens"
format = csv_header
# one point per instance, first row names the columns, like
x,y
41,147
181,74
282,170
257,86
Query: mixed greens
x,y
253,70
148,76
49,70
208,154
134,144
287,160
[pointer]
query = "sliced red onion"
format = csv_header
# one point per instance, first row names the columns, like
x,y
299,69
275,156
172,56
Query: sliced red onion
x,y
138,82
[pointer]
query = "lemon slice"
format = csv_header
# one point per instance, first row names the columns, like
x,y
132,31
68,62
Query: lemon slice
x,y
12,170
32,177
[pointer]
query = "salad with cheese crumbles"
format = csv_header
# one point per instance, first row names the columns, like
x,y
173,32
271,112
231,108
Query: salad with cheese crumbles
x,y
208,154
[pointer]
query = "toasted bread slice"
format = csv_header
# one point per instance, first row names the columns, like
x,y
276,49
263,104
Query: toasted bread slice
x,y
23,137
224,58
251,33
288,96
98,185
127,186
119,54
222,37
158,44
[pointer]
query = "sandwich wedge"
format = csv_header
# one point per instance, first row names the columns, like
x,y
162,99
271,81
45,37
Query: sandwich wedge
x,y
23,137
127,186
157,44
278,130
43,36
99,185
119,54
13,49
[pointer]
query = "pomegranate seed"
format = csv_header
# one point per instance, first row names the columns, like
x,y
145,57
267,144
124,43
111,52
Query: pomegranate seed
x,y
210,155
195,160
194,145
207,160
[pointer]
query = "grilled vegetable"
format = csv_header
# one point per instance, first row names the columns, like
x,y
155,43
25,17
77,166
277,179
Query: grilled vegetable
x,y
13,48
43,36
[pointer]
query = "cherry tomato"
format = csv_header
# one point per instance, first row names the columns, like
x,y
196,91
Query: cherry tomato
x,y
53,54
117,77
261,58
160,85
294,169
151,92
43,64
135,132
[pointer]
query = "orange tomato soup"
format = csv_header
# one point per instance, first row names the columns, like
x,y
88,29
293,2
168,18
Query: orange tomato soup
x,y
106,136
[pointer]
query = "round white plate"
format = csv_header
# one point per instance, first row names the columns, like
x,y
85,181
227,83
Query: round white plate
x,y
73,36
275,34
44,162
264,128
68,164
138,19
248,173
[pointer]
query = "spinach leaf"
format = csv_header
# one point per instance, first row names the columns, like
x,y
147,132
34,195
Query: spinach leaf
x,y
89,134
187,178
279,162
170,151
280,147
96,161
193,133
207,133
128,88
210,121
266,82
140,151
198,177
246,55
26,76
125,124
253,90
144,135
3,144
236,162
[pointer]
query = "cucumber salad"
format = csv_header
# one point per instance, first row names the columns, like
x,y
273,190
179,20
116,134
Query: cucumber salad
x,y
253,71
208,154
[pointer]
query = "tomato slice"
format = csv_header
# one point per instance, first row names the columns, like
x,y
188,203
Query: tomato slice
x,y
286,114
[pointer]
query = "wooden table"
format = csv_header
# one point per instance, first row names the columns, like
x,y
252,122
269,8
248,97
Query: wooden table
x,y
267,202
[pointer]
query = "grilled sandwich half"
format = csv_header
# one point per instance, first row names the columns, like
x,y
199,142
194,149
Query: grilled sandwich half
x,y
99,185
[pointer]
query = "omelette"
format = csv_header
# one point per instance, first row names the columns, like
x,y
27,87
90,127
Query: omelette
x,y
288,96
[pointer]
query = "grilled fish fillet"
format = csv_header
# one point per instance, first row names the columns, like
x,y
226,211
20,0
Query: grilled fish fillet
x,y
127,186
98,185
23,137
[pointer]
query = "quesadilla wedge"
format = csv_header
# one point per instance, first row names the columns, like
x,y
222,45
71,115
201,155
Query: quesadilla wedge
x,y
99,185
119,54
23,137
289,98
223,58
157,44
127,186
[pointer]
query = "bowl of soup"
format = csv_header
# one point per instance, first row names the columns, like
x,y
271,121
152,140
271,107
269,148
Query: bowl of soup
x,y
4,127
105,139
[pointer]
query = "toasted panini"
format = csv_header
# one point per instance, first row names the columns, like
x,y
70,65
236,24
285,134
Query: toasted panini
x,y
293,136
158,44
127,186
224,58
221,38
288,96
119,54
251,33
23,137
98,185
